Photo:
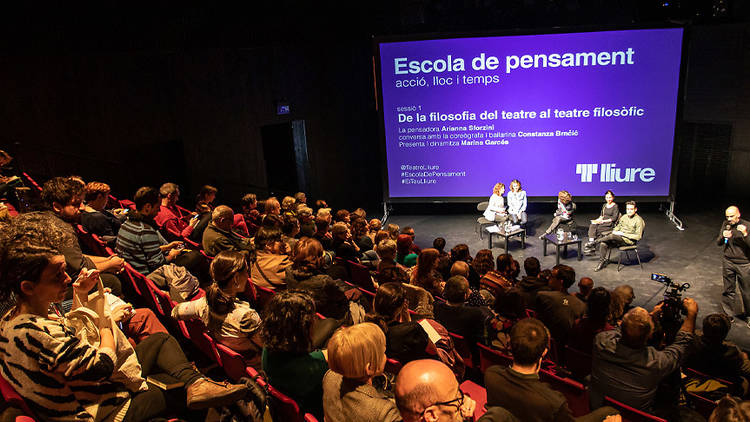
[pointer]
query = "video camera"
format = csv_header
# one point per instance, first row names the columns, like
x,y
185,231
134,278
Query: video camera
x,y
672,308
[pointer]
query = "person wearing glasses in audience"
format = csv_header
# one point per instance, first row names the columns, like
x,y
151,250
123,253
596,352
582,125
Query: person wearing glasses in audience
x,y
427,390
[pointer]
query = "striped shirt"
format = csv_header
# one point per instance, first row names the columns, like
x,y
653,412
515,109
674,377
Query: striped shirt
x,y
138,244
60,377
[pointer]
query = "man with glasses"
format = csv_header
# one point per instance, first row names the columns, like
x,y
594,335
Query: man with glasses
x,y
219,236
518,388
427,390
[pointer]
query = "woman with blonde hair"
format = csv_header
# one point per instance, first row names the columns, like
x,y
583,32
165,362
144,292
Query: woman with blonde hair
x,y
496,209
563,215
517,203
356,355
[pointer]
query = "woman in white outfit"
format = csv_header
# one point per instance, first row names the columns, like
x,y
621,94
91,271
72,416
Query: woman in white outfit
x,y
496,209
517,203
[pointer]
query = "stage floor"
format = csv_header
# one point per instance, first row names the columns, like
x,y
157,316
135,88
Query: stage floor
x,y
686,256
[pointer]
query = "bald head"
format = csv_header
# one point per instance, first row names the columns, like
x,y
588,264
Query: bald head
x,y
222,217
733,214
422,383
585,285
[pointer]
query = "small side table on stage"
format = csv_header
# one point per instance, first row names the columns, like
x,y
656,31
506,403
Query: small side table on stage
x,y
567,240
497,231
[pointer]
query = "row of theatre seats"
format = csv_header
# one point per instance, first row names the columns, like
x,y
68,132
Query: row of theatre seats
x,y
477,358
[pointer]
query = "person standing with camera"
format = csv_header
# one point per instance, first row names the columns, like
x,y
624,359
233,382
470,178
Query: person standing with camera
x,y
736,263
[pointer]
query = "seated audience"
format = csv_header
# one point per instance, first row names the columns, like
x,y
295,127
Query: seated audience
x,y
65,378
729,409
461,252
300,198
425,274
394,230
322,234
343,244
306,221
404,256
289,231
518,388
219,236
596,320
95,218
454,315
409,231
288,207
531,283
483,262
439,244
138,242
625,291
427,391
230,320
507,311
198,223
356,355
375,226
558,309
360,234
715,356
408,340
626,369
288,360
500,279
271,259
62,198
627,231
477,298
585,285
169,218
250,213
205,198
342,216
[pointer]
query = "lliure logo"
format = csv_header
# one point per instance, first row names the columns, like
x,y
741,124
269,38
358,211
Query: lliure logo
x,y
611,173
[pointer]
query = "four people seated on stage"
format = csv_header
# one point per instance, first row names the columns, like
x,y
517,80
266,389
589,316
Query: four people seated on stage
x,y
563,215
603,224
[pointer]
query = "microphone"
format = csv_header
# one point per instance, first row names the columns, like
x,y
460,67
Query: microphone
x,y
728,227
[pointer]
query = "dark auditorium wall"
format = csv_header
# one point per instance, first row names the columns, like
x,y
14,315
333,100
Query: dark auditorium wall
x,y
195,115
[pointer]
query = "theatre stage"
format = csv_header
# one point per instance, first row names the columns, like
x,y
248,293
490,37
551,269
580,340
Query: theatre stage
x,y
686,256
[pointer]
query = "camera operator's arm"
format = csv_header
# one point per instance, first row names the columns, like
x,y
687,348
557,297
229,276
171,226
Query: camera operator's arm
x,y
675,354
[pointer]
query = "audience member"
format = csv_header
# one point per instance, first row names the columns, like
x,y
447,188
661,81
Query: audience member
x,y
95,218
322,234
300,198
205,198
454,315
557,308
518,388
596,320
288,360
626,292
483,262
461,252
508,309
499,279
289,230
250,213
375,226
138,241
342,216
169,218
230,321
271,207
198,223
63,377
219,236
427,391
439,244
404,256
394,230
356,355
271,259
360,232
288,208
625,368
408,340
409,231
62,197
321,204
715,356
531,283
343,244
729,409
585,284
425,274
306,221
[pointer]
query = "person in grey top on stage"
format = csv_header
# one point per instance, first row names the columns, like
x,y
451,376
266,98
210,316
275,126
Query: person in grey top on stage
x,y
496,209
603,224
735,244
517,203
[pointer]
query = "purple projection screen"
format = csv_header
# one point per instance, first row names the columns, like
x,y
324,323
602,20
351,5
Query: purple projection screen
x,y
585,112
